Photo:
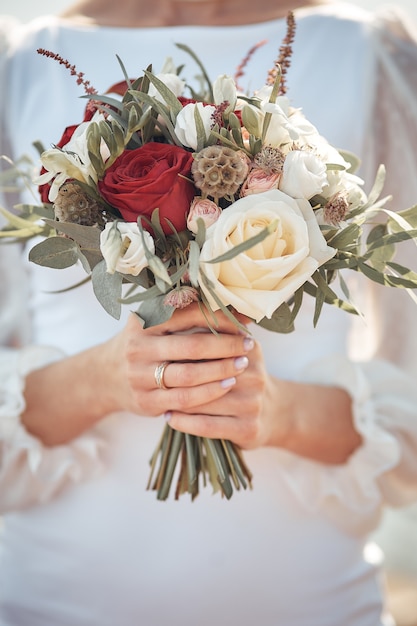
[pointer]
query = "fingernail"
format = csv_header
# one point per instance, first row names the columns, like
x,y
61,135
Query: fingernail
x,y
248,344
228,382
241,362
167,416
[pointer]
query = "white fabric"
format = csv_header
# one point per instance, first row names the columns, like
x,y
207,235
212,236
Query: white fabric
x,y
103,551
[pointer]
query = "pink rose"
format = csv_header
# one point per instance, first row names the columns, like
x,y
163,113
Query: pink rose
x,y
204,208
259,181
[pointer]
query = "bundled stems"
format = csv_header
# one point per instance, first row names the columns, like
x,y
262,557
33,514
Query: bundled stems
x,y
193,459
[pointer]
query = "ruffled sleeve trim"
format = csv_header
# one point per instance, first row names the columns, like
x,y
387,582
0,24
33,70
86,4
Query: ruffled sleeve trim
x,y
29,471
384,405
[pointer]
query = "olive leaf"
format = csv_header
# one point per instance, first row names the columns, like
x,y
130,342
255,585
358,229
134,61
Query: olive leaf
x,y
281,320
246,245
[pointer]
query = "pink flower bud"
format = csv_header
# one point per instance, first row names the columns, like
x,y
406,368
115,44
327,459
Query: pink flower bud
x,y
259,181
206,209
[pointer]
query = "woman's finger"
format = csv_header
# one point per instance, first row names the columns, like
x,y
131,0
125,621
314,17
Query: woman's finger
x,y
170,374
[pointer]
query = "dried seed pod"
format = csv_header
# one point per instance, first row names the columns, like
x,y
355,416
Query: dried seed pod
x,y
219,171
73,205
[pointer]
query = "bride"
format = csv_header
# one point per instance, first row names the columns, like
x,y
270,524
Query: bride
x,y
326,416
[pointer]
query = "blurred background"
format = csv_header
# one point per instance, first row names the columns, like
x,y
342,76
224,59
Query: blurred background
x,y
398,532
26,10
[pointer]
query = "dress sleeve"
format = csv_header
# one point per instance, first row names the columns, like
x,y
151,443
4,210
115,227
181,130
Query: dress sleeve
x,y
31,473
383,470
381,370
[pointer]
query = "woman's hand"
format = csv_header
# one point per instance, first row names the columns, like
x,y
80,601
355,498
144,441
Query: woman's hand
x,y
252,414
313,421
202,366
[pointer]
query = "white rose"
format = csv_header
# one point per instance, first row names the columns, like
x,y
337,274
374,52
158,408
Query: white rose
x,y
258,281
185,127
172,81
224,90
122,248
278,130
71,161
303,176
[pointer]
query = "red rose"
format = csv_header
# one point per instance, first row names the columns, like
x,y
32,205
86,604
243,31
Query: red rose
x,y
151,177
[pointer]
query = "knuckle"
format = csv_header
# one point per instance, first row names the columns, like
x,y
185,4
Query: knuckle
x,y
250,431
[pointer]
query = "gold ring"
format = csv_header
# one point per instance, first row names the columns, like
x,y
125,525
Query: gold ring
x,y
159,374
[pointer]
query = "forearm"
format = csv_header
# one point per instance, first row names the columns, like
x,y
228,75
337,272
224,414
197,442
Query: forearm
x,y
318,422
67,397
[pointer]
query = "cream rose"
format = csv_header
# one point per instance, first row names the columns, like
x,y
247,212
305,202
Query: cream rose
x,y
122,248
257,281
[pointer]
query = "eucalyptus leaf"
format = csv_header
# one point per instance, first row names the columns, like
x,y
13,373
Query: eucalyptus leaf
x,y
154,311
87,237
55,252
107,289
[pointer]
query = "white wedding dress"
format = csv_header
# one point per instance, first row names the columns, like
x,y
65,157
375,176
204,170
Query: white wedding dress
x,y
83,543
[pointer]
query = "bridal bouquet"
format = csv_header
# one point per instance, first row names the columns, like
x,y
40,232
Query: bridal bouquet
x,y
232,200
